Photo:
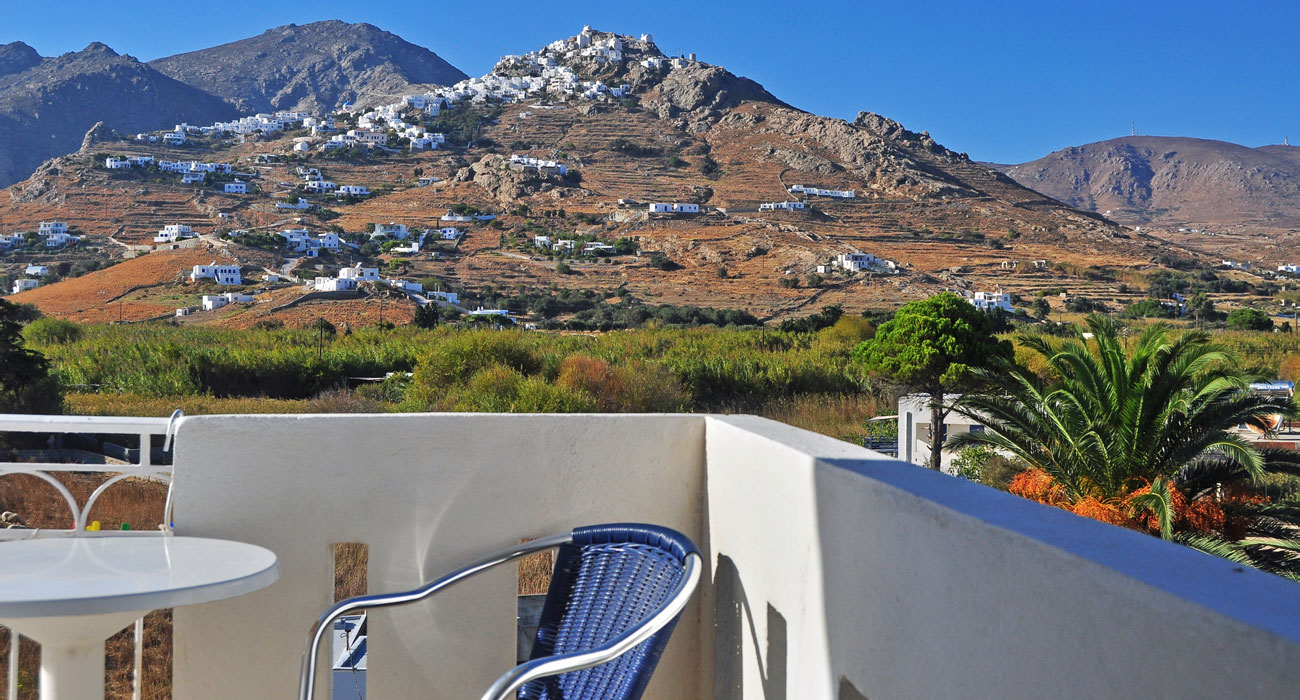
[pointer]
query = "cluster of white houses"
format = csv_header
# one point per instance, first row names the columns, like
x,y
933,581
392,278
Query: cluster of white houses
x,y
540,73
315,183
55,233
1290,269
819,192
568,244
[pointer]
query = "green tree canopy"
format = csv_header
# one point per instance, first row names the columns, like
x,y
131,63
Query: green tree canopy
x,y
25,382
1247,319
934,345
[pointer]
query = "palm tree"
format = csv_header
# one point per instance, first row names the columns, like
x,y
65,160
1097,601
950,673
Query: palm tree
x,y
1145,440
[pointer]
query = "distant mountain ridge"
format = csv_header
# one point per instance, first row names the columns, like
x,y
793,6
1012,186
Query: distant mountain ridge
x,y
48,104
1172,180
312,67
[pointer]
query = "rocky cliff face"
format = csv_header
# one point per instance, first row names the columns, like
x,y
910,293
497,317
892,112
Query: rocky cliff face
x,y
313,67
1170,180
48,104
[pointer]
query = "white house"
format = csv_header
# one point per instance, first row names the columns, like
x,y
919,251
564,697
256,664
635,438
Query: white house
x,y
141,161
117,163
22,285
542,241
597,248
404,285
359,274
329,241
194,178
212,302
1292,269
52,228
448,297
426,181
302,204
58,240
914,430
785,206
236,187
480,311
174,138
319,186
391,230
544,167
223,274
351,191
449,233
301,147
457,218
333,284
36,271
172,233
855,262
674,208
985,301
819,192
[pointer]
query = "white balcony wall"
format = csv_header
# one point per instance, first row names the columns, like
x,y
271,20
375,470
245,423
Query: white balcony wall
x,y
843,574
427,493
836,573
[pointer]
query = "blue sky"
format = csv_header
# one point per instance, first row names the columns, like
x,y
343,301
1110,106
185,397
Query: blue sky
x,y
1003,81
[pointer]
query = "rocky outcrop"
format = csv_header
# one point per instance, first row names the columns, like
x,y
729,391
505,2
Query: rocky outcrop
x,y
494,176
313,67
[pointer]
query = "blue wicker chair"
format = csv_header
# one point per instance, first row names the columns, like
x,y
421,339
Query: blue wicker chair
x,y
614,599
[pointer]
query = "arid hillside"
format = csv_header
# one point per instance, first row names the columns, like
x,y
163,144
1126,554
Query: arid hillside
x,y
690,134
1170,181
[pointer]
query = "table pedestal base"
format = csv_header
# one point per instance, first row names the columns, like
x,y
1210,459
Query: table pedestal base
x,y
72,651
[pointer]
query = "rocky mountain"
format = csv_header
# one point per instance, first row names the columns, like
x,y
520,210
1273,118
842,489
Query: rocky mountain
x,y
633,126
1172,180
312,67
48,104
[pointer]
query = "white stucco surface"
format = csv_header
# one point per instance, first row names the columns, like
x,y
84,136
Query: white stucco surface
x,y
834,572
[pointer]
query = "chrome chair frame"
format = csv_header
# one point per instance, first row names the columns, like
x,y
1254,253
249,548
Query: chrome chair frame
x,y
530,670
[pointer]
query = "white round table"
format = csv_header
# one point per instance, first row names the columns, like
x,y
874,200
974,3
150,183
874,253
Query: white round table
x,y
71,593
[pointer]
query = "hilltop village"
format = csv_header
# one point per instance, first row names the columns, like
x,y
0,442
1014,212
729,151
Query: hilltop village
x,y
595,164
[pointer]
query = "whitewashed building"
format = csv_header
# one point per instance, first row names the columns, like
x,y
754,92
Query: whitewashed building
x,y
987,301
222,274
333,284
352,191
36,271
236,187
22,285
359,273
856,262
391,230
172,233
781,206
117,163
673,208
819,192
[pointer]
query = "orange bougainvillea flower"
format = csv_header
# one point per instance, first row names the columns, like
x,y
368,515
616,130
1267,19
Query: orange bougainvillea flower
x,y
1205,516
1105,512
1037,485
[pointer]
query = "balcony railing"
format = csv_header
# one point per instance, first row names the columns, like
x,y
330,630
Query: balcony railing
x,y
833,572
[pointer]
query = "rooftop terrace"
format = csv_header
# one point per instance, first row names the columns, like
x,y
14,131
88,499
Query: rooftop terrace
x,y
832,571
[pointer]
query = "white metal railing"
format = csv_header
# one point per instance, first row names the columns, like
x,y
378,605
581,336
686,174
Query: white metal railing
x,y
143,468
144,428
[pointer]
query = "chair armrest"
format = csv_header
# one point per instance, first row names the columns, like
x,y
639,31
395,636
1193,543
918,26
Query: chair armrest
x,y
579,660
307,677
